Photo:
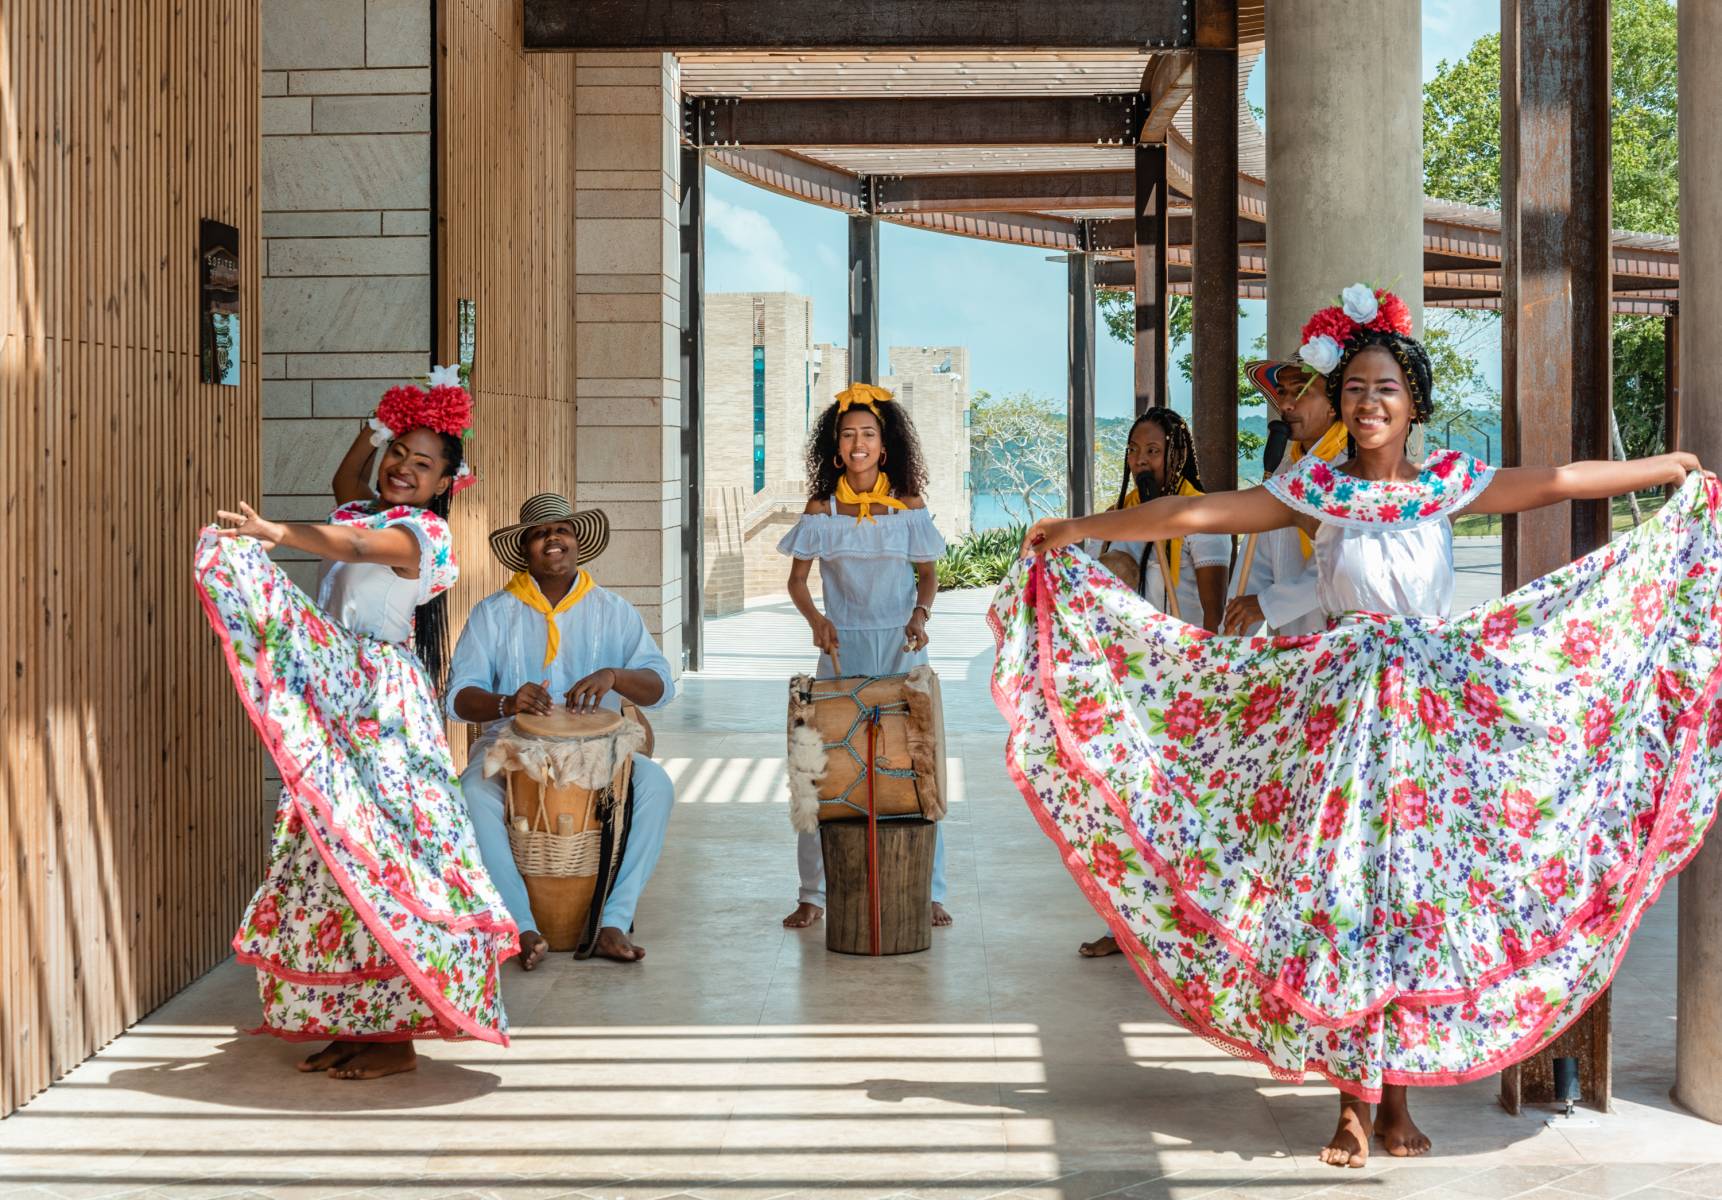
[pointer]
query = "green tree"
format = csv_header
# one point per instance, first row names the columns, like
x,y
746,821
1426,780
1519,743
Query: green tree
x,y
1462,162
1118,311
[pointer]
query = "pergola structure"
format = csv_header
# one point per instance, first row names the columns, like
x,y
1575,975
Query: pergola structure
x,y
1116,134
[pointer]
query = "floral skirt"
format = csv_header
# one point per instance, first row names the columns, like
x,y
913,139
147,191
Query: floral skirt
x,y
1404,851
376,920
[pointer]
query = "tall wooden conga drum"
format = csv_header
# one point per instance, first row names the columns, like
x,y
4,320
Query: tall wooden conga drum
x,y
867,770
567,792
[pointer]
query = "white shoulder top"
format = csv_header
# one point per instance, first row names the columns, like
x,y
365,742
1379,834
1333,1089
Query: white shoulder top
x,y
864,565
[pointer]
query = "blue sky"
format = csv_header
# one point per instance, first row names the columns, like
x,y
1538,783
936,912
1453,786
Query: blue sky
x,y
1006,303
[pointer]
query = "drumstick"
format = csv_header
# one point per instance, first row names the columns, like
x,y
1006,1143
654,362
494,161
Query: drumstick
x,y
836,663
1249,559
1166,578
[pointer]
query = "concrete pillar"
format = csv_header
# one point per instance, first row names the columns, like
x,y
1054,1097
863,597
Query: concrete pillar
x,y
1345,155
1698,1044
627,262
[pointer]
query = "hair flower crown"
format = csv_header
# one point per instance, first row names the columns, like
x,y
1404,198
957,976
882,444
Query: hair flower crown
x,y
1360,307
442,404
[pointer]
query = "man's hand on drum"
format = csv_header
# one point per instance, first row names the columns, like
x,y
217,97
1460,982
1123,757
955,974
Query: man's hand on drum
x,y
825,638
586,695
1243,614
531,698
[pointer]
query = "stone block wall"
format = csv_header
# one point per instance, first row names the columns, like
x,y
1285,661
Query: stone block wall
x,y
346,231
627,246
932,383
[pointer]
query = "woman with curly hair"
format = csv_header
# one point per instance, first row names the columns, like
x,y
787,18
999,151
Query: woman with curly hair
x,y
869,529
1411,849
375,924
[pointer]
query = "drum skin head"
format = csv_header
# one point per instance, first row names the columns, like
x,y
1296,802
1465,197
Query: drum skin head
x,y
562,723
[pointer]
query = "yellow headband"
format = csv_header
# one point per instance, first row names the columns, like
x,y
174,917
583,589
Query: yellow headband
x,y
864,394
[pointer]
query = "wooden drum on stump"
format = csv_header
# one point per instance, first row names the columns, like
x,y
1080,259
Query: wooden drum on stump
x,y
867,770
568,813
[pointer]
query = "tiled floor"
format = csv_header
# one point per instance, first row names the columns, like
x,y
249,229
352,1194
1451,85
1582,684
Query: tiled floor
x,y
742,1060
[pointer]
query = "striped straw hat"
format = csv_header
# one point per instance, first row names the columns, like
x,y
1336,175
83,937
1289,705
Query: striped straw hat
x,y
591,529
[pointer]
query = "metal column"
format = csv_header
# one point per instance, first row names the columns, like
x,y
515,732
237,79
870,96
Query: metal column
x,y
864,292
1556,376
1080,402
1214,280
693,251
1150,248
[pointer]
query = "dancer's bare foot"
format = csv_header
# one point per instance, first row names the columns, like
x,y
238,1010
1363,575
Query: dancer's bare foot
x,y
1100,947
940,916
533,948
613,943
805,914
1399,1134
377,1059
1350,1144
332,1055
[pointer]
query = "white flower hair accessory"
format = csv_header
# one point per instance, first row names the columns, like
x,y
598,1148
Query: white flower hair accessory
x,y
444,377
381,434
1359,303
1320,354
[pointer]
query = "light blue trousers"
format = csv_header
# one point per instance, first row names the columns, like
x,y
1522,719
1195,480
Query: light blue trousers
x,y
654,797
811,860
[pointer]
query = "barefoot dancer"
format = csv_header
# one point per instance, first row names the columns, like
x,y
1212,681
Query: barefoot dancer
x,y
1283,578
553,636
1409,850
1160,460
376,923
876,545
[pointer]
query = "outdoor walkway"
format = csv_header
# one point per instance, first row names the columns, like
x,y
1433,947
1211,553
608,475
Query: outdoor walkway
x,y
743,1060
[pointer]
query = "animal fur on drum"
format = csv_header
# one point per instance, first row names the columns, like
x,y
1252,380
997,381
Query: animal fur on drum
x,y
583,762
809,760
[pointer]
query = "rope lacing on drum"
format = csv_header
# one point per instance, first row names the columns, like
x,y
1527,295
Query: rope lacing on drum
x,y
865,714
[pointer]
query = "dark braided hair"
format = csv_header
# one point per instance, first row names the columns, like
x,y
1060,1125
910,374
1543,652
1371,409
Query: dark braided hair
x,y
1181,468
1412,358
430,620
902,461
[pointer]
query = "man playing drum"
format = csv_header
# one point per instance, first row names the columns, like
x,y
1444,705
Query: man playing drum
x,y
553,636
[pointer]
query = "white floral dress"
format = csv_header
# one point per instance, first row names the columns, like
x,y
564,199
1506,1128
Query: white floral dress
x,y
1409,850
375,920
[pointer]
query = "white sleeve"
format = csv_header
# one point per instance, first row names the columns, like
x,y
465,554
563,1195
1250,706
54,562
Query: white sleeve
x,y
471,665
1291,599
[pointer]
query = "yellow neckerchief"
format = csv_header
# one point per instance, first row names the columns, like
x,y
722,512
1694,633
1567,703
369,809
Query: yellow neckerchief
x,y
1329,445
1175,546
879,494
525,589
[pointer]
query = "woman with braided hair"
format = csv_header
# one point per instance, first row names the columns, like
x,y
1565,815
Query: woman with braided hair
x,y
375,924
1160,460
1411,849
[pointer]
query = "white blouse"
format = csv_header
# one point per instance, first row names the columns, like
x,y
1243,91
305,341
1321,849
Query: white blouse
x,y
370,599
1400,572
864,567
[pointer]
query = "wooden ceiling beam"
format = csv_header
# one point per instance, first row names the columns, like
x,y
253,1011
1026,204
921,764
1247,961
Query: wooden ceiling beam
x,y
912,122
854,25
1167,85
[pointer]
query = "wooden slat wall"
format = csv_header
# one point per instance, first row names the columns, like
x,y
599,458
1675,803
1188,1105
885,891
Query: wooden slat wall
x,y
505,229
129,823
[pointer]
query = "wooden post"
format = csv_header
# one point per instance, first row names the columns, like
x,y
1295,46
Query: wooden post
x,y
1556,259
1150,246
1214,282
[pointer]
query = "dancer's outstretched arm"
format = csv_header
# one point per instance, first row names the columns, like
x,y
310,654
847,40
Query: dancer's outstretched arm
x,y
392,547
1520,489
1252,511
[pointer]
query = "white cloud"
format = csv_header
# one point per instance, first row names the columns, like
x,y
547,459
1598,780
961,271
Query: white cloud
x,y
764,259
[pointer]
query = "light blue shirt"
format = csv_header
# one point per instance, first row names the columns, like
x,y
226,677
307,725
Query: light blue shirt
x,y
502,648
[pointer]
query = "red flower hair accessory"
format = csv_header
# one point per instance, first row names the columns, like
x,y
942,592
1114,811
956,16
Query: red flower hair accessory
x,y
1360,307
442,406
